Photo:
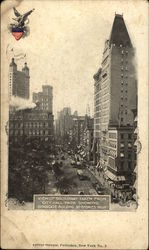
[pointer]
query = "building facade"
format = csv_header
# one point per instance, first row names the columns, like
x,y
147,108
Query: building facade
x,y
30,123
44,98
115,102
18,81
64,123
87,140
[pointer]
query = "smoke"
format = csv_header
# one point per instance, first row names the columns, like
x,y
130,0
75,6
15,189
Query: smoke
x,y
20,103
12,53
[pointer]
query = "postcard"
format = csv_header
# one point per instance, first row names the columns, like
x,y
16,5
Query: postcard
x,y
74,124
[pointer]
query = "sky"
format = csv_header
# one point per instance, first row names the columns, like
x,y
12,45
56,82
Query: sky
x,y
66,42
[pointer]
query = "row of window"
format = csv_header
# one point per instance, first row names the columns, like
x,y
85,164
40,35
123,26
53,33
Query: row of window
x,y
124,52
129,164
112,144
123,136
112,135
127,156
122,76
122,112
29,132
122,60
35,117
122,68
129,145
29,124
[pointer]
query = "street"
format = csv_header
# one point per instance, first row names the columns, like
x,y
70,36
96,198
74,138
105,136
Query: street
x,y
71,183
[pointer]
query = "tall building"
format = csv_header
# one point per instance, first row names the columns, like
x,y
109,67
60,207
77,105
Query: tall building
x,y
87,140
115,103
18,81
64,122
44,98
78,130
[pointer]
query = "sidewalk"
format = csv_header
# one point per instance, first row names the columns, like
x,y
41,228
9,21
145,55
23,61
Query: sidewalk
x,y
99,176
130,206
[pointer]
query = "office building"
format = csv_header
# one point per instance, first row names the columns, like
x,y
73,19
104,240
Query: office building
x,y
115,104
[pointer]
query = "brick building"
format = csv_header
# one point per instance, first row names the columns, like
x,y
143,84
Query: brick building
x,y
44,98
30,123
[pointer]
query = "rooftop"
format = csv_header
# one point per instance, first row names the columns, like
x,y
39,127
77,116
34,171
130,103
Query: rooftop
x,y
119,34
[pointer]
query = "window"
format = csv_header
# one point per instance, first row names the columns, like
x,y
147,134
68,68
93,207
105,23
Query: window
x,y
129,156
121,155
121,119
125,112
122,164
129,145
122,145
122,136
11,132
104,75
112,135
129,164
129,136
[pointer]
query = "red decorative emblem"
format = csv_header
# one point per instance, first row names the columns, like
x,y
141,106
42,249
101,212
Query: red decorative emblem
x,y
19,28
17,33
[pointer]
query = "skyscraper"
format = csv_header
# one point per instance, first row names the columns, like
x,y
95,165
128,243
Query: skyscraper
x,y
115,104
18,81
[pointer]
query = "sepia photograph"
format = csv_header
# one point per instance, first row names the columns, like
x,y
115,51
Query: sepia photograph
x,y
73,149
74,77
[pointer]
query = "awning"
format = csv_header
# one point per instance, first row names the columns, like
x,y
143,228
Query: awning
x,y
113,177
